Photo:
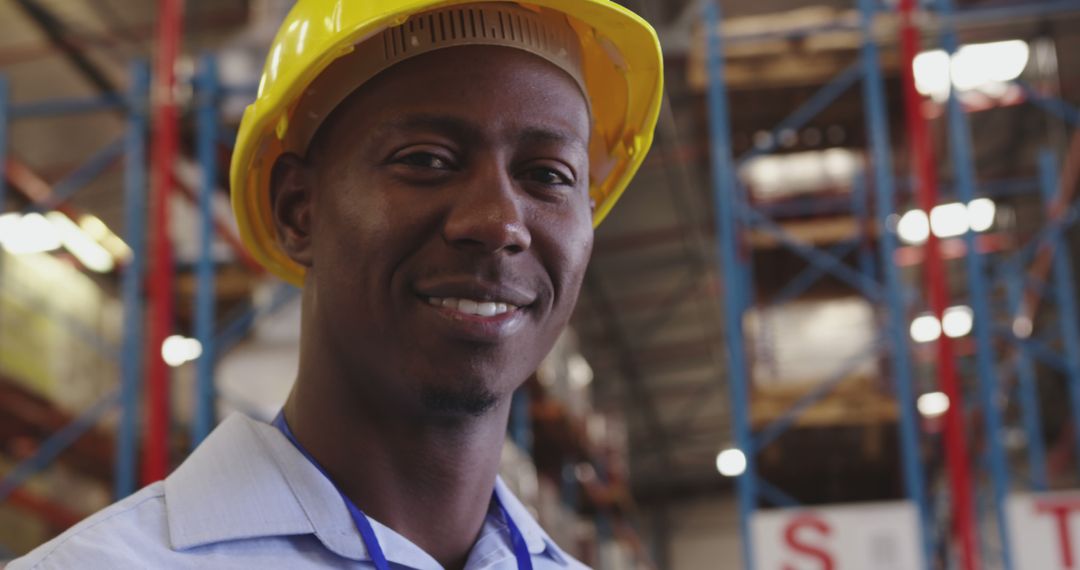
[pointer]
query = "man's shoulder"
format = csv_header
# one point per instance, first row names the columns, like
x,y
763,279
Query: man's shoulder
x,y
114,536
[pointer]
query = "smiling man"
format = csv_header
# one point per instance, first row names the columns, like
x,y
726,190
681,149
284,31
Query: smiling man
x,y
430,173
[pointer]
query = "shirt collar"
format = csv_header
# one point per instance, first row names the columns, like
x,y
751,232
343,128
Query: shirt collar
x,y
202,502
536,539
284,494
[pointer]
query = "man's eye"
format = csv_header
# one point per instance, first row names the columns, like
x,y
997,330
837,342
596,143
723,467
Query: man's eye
x,y
548,176
425,160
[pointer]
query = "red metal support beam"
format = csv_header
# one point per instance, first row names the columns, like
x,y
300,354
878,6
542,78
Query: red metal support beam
x,y
164,152
965,531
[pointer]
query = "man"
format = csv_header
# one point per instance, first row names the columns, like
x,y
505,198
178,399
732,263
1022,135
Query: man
x,y
430,174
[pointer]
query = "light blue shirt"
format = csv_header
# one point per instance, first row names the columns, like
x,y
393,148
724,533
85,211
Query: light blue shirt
x,y
246,498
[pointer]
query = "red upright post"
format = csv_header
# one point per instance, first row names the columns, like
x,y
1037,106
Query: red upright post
x,y
925,173
156,444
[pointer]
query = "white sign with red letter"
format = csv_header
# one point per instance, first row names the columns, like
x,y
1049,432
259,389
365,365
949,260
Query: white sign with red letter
x,y
867,536
1045,531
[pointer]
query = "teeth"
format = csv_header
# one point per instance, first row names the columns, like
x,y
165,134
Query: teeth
x,y
472,307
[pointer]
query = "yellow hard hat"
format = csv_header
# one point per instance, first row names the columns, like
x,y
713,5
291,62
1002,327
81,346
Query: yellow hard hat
x,y
617,57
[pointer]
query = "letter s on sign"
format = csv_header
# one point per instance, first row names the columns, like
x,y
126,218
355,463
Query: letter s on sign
x,y
795,542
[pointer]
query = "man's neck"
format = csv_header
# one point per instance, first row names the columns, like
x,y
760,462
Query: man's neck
x,y
428,478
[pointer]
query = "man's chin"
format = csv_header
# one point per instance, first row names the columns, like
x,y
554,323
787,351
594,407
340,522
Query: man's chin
x,y
461,402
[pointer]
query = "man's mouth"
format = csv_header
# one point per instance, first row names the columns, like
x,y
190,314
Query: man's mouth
x,y
472,306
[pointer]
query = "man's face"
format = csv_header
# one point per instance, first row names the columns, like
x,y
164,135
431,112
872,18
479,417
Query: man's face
x,y
450,225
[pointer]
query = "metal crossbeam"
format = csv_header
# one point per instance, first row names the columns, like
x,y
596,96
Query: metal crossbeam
x,y
827,261
771,432
78,179
56,443
813,107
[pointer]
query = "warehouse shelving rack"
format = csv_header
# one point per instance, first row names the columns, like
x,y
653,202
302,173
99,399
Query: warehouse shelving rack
x,y
131,356
735,216
134,107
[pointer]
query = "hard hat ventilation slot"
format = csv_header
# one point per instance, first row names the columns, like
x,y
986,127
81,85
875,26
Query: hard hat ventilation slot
x,y
465,24
431,27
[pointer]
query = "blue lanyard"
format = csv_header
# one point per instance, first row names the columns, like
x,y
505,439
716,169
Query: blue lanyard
x,y
521,549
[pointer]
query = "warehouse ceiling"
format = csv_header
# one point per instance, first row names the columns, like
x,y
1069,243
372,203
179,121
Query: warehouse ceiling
x,y
649,317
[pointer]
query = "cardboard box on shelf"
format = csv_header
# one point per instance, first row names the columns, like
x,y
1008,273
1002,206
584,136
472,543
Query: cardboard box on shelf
x,y
59,332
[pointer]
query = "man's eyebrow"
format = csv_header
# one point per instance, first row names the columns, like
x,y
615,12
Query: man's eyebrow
x,y
464,130
544,135
452,126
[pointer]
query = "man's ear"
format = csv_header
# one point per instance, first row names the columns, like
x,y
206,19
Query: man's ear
x,y
291,203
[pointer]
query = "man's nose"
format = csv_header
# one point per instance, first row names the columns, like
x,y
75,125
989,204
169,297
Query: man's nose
x,y
488,216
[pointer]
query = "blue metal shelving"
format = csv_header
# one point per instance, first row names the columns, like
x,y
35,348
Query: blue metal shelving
x,y
880,281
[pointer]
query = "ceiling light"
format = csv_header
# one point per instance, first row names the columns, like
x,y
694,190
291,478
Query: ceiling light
x,y
731,463
89,252
925,328
177,350
957,321
913,227
932,404
30,233
981,214
983,67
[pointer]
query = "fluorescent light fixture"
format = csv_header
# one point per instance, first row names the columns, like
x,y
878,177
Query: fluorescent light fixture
x,y
932,404
731,463
914,227
925,328
101,233
947,221
94,227
981,214
82,246
957,321
978,64
30,233
932,74
984,67
116,246
9,226
177,350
